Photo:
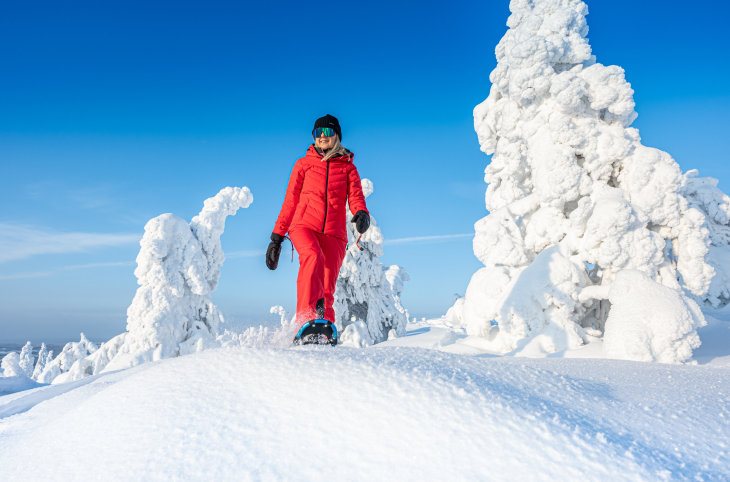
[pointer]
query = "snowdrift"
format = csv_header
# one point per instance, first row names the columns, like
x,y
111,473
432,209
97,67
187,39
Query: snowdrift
x,y
376,414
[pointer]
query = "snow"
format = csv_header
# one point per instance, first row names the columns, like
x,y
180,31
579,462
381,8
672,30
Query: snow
x,y
16,383
658,327
386,412
575,199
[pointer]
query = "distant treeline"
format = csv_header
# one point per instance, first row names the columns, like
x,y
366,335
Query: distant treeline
x,y
6,348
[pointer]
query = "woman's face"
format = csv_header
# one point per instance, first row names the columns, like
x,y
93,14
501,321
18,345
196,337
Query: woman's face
x,y
324,142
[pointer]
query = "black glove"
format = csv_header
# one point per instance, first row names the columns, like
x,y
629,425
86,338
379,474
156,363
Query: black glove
x,y
362,221
273,251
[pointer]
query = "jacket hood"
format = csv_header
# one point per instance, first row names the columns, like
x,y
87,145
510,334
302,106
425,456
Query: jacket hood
x,y
315,153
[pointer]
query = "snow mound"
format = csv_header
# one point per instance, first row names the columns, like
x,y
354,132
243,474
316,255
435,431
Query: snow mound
x,y
377,414
658,326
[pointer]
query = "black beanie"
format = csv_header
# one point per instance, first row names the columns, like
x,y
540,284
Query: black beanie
x,y
328,121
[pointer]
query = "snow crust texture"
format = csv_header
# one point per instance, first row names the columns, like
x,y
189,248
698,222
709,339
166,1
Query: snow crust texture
x,y
575,198
392,414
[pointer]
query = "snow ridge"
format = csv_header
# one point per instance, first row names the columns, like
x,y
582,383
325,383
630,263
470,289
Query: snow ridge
x,y
394,414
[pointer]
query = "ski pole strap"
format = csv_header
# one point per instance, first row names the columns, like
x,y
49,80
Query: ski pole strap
x,y
357,243
292,247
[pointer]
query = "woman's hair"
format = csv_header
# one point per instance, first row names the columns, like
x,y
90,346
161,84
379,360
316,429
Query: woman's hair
x,y
336,150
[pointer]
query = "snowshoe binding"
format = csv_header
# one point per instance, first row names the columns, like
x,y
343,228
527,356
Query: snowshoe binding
x,y
317,332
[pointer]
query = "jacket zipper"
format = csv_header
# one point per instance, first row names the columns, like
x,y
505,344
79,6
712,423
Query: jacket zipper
x,y
326,191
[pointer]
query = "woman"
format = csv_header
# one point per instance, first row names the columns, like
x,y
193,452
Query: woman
x,y
321,184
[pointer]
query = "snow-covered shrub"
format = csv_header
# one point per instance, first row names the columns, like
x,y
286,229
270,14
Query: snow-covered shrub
x,y
93,363
70,354
10,365
574,198
366,290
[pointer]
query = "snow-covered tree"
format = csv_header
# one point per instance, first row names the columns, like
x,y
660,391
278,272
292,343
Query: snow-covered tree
x,y
367,292
70,354
703,194
178,267
574,198
26,360
43,358
10,365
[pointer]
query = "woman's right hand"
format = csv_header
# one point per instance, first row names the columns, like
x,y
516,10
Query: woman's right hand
x,y
273,251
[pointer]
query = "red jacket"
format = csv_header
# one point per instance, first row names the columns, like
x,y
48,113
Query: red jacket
x,y
317,193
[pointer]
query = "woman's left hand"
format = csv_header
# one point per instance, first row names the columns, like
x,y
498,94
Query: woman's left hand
x,y
362,221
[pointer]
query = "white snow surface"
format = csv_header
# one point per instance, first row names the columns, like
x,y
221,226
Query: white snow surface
x,y
388,412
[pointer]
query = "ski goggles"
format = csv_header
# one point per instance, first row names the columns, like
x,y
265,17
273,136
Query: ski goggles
x,y
327,131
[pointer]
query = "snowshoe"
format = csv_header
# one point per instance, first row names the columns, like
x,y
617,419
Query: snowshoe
x,y
317,332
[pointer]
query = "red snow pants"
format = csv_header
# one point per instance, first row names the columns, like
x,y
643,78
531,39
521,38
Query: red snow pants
x,y
320,258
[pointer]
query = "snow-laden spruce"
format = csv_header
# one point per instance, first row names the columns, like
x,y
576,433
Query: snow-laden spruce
x,y
72,355
574,199
45,356
25,364
367,297
178,267
703,194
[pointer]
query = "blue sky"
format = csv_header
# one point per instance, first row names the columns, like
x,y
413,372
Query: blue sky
x,y
114,112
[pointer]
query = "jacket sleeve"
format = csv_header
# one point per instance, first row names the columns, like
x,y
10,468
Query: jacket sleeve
x,y
291,200
355,197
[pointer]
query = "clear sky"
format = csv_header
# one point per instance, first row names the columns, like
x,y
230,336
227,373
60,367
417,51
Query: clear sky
x,y
114,112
